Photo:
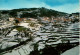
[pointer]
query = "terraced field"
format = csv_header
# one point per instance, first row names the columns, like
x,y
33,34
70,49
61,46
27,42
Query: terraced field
x,y
49,37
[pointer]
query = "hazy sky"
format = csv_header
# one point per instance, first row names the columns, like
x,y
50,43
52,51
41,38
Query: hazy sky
x,y
67,6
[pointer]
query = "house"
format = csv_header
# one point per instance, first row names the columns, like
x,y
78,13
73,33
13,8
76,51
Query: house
x,y
11,19
33,19
21,19
46,19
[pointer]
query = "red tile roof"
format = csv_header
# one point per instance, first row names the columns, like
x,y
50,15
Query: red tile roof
x,y
20,19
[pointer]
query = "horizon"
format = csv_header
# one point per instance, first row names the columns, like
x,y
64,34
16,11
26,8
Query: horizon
x,y
66,6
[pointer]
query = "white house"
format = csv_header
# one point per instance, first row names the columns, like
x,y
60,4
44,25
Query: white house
x,y
11,19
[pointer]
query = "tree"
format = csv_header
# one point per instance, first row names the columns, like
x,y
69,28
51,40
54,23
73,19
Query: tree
x,y
16,21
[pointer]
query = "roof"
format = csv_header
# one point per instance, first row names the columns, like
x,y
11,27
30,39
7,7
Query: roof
x,y
20,19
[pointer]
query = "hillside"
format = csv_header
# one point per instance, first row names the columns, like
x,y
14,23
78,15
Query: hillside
x,y
32,12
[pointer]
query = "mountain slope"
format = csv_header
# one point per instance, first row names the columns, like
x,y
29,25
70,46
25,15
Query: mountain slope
x,y
32,12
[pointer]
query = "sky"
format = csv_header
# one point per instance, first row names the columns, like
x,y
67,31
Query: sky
x,y
68,6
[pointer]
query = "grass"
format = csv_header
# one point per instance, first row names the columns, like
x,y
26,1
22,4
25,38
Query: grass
x,y
21,28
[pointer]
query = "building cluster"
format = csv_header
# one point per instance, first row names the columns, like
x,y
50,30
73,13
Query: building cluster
x,y
38,21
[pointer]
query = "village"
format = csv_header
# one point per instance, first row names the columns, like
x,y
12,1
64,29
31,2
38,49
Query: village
x,y
39,27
